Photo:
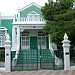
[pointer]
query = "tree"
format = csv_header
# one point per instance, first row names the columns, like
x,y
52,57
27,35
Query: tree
x,y
60,18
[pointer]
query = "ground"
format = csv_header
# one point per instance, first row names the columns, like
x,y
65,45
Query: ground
x,y
41,72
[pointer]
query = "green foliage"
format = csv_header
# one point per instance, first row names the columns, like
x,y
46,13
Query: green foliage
x,y
60,18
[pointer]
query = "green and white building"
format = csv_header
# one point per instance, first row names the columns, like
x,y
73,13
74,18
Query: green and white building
x,y
25,31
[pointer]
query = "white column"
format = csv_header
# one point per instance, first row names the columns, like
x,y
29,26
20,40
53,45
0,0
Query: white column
x,y
50,47
66,46
13,37
8,54
5,32
18,36
19,12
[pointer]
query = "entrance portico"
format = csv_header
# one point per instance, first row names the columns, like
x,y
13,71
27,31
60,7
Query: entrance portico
x,y
25,37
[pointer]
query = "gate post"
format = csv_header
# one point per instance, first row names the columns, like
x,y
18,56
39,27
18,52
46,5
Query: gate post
x,y
66,46
8,54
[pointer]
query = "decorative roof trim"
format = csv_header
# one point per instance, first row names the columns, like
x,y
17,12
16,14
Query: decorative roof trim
x,y
33,12
29,6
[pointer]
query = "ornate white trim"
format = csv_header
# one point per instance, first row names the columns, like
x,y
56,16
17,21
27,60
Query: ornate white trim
x,y
33,12
31,27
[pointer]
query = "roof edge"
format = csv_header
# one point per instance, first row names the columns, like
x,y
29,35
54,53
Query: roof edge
x,y
33,3
6,17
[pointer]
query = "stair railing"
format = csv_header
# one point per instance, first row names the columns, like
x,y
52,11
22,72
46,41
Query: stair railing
x,y
14,61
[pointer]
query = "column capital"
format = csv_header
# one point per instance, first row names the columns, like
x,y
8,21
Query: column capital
x,y
66,41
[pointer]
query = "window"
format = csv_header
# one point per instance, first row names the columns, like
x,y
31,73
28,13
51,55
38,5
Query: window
x,y
33,16
2,38
25,40
41,40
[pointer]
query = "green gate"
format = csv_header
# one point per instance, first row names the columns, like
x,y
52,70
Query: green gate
x,y
47,59
27,60
51,60
35,59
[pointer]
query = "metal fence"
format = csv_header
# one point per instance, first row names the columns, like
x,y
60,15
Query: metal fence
x,y
72,57
38,59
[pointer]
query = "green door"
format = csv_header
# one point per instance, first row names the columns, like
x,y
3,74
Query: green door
x,y
33,42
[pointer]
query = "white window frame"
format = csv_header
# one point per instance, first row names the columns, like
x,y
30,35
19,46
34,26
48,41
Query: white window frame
x,y
3,29
25,47
41,44
1,39
33,18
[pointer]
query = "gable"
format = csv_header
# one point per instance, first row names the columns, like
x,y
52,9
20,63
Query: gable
x,y
30,9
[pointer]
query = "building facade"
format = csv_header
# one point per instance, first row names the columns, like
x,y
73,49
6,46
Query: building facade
x,y
31,49
25,29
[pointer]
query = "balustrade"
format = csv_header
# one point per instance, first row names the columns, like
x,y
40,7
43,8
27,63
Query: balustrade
x,y
29,20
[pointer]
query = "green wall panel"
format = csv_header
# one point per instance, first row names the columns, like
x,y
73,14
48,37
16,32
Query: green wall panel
x,y
33,42
8,25
13,54
47,43
30,9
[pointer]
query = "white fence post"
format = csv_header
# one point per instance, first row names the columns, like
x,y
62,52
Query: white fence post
x,y
8,54
66,46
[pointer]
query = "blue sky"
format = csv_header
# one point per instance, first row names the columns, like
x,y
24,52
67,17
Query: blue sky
x,y
9,7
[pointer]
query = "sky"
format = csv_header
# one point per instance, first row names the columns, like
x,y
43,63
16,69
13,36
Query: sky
x,y
9,7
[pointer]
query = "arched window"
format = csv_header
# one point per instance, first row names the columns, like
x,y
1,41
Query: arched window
x,y
33,16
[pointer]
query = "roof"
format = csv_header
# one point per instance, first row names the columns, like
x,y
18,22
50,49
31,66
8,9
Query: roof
x,y
29,6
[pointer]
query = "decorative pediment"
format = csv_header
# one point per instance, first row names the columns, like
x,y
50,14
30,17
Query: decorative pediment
x,y
30,9
33,13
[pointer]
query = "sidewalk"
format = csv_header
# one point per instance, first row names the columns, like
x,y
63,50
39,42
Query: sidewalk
x,y
41,72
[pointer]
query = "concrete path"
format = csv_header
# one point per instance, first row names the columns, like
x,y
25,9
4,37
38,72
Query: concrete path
x,y
40,72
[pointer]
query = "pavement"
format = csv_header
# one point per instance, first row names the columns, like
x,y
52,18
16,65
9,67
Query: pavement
x,y
40,72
